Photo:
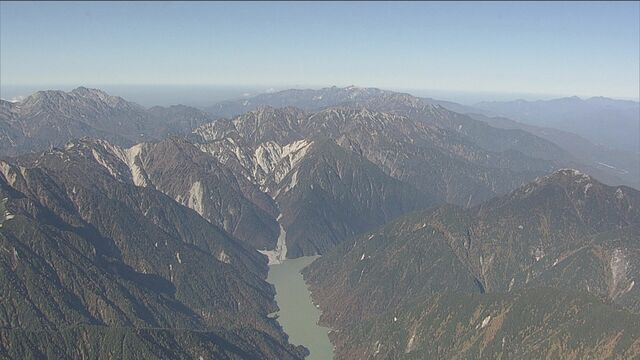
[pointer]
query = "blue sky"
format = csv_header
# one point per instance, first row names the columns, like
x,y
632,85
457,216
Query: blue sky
x,y
573,48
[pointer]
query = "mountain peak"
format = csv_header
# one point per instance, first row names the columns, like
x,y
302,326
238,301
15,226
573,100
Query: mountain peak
x,y
81,90
571,174
572,180
59,98
99,95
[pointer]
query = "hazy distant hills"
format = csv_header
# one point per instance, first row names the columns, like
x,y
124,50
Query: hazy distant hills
x,y
565,231
604,121
604,162
306,99
53,117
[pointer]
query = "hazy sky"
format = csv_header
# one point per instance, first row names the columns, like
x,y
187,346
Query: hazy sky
x,y
547,48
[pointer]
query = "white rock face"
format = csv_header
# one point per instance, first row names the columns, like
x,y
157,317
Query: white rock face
x,y
411,343
619,267
98,157
131,157
293,183
5,215
8,173
278,255
275,161
267,156
224,257
194,200
630,286
485,322
269,163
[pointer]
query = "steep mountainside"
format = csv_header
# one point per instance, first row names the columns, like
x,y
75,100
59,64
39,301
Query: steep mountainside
x,y
141,244
325,193
526,324
193,178
564,230
334,194
270,146
434,159
52,118
93,264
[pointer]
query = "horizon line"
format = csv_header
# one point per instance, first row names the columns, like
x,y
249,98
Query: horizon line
x,y
270,88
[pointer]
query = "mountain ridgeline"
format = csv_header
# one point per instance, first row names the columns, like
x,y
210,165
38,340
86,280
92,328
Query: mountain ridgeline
x,y
52,118
560,245
597,156
130,232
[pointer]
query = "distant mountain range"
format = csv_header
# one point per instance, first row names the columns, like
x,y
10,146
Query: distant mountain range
x,y
599,132
604,121
129,228
415,151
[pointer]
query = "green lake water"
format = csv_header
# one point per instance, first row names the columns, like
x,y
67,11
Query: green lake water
x,y
298,316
